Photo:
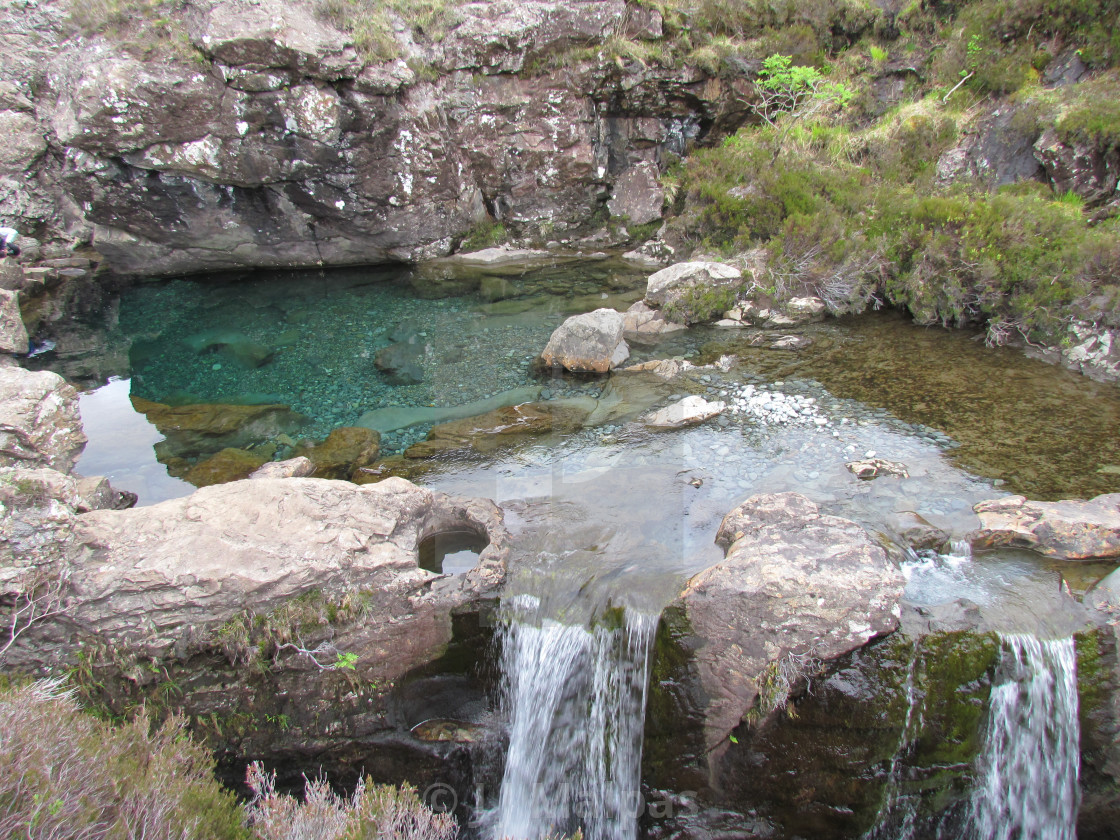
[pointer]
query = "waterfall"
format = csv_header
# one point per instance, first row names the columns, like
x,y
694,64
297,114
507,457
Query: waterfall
x,y
1027,787
900,812
576,701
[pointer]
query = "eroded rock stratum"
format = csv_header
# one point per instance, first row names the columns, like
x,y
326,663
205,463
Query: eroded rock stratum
x,y
267,140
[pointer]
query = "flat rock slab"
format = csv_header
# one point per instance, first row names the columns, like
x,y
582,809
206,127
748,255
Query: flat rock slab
x,y
1067,530
795,586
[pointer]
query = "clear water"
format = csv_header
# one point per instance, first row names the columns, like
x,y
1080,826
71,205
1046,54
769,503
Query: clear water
x,y
1027,787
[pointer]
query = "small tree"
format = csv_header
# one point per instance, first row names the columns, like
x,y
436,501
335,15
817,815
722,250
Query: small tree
x,y
790,93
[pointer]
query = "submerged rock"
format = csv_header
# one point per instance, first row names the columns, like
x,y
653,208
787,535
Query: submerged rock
x,y
1067,530
488,431
225,466
870,468
589,343
345,450
391,418
686,412
207,428
402,361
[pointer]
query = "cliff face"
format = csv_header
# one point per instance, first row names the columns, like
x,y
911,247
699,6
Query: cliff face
x,y
269,141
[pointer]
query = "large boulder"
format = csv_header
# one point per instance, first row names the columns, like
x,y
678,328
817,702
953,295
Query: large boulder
x,y
154,578
691,292
591,343
1067,530
39,421
796,589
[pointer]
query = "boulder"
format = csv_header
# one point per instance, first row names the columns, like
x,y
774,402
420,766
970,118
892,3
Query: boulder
x,y
803,309
39,420
591,343
1066,530
686,412
796,588
694,291
642,323
13,333
161,578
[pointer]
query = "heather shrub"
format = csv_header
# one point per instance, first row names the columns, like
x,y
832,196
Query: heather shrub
x,y
372,812
66,774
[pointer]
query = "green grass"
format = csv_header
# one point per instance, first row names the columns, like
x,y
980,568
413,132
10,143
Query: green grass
x,y
370,22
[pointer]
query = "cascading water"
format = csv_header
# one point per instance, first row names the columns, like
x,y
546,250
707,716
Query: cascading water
x,y
576,700
900,812
1028,784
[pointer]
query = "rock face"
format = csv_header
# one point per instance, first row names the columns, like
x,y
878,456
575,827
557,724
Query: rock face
x,y
275,144
796,588
39,424
13,334
1067,530
1085,169
590,343
694,291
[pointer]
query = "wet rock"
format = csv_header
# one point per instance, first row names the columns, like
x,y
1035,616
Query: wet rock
x,y
207,428
591,342
795,586
345,450
400,417
915,531
870,468
1067,530
39,420
225,466
98,494
694,291
298,467
233,345
13,333
496,428
500,256
687,412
